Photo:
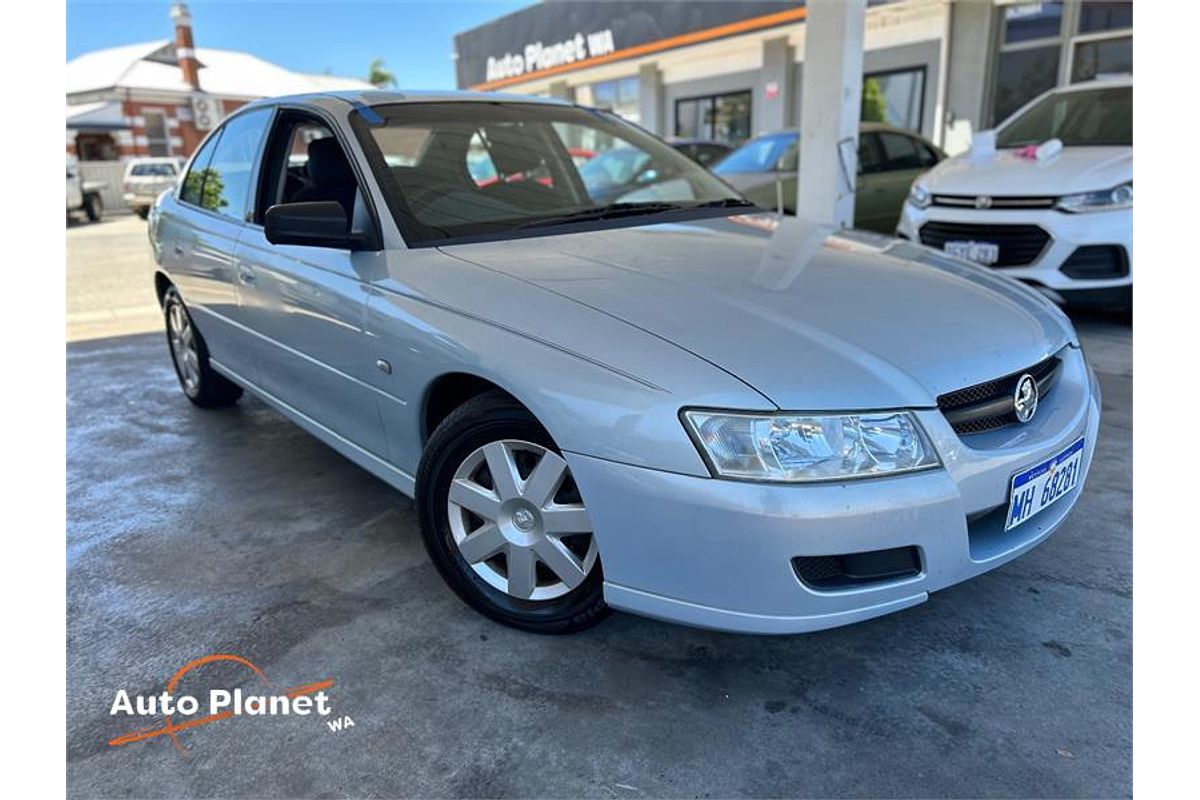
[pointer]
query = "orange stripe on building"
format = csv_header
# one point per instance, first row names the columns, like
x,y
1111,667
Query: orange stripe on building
x,y
658,45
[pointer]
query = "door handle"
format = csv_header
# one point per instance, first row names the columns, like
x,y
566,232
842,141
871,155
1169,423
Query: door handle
x,y
245,274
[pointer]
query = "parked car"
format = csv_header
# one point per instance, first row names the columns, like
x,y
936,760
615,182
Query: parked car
x,y
146,178
663,406
83,195
764,169
704,152
1061,220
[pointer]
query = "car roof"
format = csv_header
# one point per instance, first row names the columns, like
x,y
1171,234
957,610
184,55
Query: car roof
x,y
381,97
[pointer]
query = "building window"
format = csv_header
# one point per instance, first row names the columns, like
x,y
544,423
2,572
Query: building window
x,y
1100,57
1029,21
619,96
896,97
719,118
156,132
1096,16
1043,45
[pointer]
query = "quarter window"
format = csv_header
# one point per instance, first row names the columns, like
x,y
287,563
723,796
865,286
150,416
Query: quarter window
x,y
193,185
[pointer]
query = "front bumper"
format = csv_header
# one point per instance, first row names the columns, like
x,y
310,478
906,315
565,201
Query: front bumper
x,y
718,553
1067,232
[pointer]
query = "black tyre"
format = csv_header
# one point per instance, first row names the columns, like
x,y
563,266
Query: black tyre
x,y
93,206
142,211
503,520
200,383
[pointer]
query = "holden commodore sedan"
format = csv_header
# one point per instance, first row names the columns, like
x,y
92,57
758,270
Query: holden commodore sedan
x,y
668,402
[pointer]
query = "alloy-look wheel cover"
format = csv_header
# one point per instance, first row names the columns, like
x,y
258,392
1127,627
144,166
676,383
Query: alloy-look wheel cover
x,y
520,520
183,347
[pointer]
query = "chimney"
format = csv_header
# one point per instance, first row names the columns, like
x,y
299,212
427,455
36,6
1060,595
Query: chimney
x,y
185,51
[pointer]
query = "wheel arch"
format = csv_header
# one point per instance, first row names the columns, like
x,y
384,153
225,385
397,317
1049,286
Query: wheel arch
x,y
450,390
161,284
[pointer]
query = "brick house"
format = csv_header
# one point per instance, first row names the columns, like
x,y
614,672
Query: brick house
x,y
161,98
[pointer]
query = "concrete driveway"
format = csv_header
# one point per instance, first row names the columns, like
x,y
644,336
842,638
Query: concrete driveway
x,y
233,532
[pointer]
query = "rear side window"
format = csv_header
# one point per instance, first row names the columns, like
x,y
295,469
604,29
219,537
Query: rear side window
x,y
219,179
227,185
899,152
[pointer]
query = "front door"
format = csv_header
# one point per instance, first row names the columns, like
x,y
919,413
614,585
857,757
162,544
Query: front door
x,y
306,305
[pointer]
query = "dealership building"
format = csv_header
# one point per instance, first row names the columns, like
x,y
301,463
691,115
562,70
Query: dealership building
x,y
729,70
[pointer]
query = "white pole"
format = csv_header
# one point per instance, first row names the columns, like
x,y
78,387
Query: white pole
x,y
829,110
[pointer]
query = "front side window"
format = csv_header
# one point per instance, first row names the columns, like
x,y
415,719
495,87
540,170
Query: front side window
x,y
770,153
470,171
899,152
227,185
1092,117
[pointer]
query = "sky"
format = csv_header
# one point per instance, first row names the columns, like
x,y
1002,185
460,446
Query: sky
x,y
415,39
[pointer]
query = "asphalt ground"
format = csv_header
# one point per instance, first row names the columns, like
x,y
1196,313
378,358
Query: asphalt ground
x,y
193,533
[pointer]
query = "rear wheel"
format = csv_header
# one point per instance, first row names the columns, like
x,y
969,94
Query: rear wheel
x,y
504,522
200,382
93,206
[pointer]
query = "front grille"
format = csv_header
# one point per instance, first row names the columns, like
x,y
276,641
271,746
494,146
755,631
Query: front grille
x,y
1097,261
1018,244
989,405
988,201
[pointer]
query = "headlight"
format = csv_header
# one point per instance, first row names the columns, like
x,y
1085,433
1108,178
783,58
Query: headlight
x,y
798,448
919,196
1107,200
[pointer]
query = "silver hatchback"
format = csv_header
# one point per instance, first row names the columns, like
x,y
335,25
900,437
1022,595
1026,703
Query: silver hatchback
x,y
653,397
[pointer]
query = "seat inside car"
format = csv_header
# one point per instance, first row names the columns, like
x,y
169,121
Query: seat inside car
x,y
329,174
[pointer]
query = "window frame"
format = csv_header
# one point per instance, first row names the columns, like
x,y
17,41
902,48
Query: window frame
x,y
921,68
217,132
709,135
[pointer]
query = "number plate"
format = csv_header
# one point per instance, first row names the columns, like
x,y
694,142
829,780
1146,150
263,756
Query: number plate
x,y
1044,484
986,253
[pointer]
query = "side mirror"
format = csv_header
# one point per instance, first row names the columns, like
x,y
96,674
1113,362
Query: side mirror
x,y
647,176
322,224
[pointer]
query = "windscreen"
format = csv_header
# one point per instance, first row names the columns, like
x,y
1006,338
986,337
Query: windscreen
x,y
1094,117
159,170
476,170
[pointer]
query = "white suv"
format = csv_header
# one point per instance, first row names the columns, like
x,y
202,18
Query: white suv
x,y
1059,219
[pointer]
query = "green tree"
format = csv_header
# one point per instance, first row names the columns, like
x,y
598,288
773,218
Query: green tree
x,y
207,186
380,76
874,104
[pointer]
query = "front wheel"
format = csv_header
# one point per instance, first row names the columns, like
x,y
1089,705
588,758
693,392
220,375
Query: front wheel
x,y
504,522
200,382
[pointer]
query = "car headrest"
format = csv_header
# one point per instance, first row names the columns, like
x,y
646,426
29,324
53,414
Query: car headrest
x,y
327,164
513,151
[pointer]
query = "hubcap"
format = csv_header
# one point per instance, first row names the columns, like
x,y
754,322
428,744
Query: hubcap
x,y
183,348
518,521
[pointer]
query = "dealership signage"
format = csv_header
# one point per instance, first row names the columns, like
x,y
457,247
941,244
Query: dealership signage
x,y
537,56
560,35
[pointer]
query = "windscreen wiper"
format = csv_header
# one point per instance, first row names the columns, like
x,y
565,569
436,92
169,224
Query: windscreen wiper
x,y
619,210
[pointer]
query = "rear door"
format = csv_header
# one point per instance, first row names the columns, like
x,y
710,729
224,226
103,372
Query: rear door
x,y
306,305
201,232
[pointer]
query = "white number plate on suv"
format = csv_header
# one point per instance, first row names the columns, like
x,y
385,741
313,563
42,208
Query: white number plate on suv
x,y
986,253
1041,485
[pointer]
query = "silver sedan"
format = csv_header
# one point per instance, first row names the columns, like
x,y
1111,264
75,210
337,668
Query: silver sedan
x,y
649,395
